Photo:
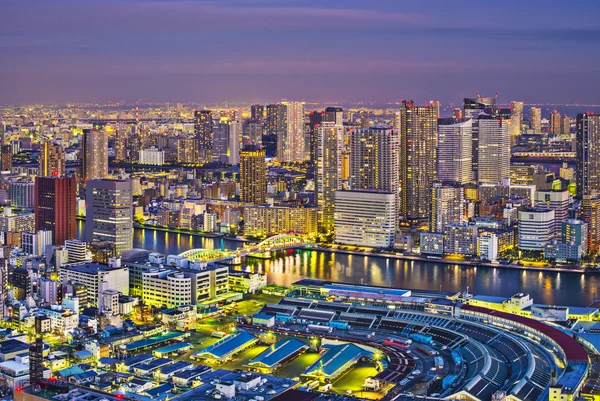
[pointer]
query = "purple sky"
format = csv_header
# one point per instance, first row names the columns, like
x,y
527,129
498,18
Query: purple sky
x,y
261,50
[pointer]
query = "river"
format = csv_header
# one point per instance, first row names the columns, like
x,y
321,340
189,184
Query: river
x,y
288,266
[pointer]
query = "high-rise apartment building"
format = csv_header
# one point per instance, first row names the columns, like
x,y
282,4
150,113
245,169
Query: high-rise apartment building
x,y
203,131
55,207
473,107
493,152
95,154
565,125
109,214
51,160
588,154
516,120
257,112
374,154
555,122
290,140
535,119
328,170
5,158
454,154
447,202
253,133
22,194
418,155
590,213
253,175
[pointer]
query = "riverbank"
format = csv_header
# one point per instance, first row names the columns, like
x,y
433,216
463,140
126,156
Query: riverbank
x,y
465,263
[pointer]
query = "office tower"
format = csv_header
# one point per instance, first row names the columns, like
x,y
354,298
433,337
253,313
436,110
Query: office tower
x,y
535,119
203,131
36,361
418,155
493,149
555,125
536,228
374,159
516,120
588,154
328,172
55,207
590,213
35,243
152,156
6,158
253,175
109,213
257,112
565,125
290,139
253,133
554,200
447,202
454,153
365,218
22,194
95,154
77,251
51,160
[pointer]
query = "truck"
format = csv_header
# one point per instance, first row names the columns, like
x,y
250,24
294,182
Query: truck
x,y
398,342
439,362
218,334
319,329
426,350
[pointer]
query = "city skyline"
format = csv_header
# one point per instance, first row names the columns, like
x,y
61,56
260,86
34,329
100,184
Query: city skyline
x,y
265,51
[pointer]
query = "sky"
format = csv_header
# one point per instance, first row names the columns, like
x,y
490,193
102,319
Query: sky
x,y
57,51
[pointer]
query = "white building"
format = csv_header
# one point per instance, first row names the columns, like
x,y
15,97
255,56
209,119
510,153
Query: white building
x,y
210,222
487,246
536,228
364,218
35,243
48,293
92,274
493,155
290,143
454,154
77,251
557,201
328,170
152,156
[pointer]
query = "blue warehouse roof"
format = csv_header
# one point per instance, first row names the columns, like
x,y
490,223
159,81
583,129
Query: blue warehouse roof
x,y
227,346
275,354
335,361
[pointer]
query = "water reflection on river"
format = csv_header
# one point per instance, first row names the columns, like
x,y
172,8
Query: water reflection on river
x,y
288,266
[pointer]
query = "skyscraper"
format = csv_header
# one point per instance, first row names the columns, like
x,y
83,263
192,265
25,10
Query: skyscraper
x,y
226,141
493,149
473,107
253,175
270,134
446,206
555,125
315,118
328,173
454,153
516,120
374,159
109,214
588,154
418,154
290,141
203,130
55,207
95,154
535,119
565,125
51,160
590,208
6,158
257,112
